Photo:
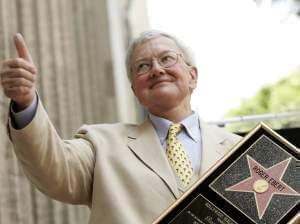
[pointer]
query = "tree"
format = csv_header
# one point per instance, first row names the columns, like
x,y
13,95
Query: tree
x,y
283,96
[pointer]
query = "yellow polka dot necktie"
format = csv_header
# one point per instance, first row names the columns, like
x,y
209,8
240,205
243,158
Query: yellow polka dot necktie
x,y
178,156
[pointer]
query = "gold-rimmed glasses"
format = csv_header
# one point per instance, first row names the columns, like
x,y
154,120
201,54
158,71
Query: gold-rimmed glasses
x,y
165,60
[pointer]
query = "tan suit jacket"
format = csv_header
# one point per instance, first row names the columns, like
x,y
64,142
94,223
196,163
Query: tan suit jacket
x,y
120,171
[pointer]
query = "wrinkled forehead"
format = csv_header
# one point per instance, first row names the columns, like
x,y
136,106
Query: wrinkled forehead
x,y
153,47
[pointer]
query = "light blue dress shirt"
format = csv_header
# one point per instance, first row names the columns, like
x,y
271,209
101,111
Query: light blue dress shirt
x,y
190,136
24,117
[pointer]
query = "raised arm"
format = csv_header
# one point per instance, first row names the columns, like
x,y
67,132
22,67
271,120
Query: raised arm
x,y
62,169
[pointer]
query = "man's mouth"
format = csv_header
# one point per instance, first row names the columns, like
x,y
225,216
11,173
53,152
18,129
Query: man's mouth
x,y
159,82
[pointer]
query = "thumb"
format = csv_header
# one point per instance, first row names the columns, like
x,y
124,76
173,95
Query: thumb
x,y
21,47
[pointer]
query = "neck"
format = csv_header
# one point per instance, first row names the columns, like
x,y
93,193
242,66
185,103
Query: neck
x,y
175,114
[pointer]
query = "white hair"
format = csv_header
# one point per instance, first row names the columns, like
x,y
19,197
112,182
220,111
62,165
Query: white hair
x,y
152,34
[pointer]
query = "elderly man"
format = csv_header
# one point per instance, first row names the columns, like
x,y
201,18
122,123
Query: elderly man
x,y
124,173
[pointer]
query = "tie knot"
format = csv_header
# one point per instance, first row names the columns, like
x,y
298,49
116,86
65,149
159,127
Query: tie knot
x,y
174,129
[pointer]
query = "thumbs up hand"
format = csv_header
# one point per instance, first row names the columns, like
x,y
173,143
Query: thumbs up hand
x,y
18,75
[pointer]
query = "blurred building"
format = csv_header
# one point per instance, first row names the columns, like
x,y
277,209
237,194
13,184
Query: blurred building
x,y
79,48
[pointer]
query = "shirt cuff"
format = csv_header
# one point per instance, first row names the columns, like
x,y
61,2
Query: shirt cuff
x,y
24,117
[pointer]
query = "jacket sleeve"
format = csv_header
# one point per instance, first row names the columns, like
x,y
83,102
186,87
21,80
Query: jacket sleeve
x,y
62,169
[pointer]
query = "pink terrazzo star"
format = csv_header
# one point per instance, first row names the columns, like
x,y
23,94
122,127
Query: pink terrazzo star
x,y
264,183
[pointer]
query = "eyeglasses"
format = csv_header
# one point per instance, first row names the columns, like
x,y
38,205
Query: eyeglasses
x,y
165,60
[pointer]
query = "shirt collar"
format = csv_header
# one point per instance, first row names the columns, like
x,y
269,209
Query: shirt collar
x,y
190,123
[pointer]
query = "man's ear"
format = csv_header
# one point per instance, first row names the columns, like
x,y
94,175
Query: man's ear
x,y
194,77
132,88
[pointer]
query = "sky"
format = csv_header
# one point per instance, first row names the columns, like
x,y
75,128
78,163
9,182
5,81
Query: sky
x,y
238,46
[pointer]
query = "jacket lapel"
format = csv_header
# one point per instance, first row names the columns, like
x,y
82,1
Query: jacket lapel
x,y
213,147
145,144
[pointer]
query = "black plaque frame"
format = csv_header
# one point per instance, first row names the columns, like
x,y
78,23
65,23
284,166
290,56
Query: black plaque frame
x,y
204,204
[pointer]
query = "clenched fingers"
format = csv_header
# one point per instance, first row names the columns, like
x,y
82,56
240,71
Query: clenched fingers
x,y
15,82
13,73
17,79
15,92
19,63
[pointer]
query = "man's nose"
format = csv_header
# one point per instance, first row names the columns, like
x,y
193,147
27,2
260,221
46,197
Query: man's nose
x,y
156,69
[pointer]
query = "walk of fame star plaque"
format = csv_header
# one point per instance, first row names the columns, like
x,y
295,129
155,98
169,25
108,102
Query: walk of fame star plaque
x,y
258,181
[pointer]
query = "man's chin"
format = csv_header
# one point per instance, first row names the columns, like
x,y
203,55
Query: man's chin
x,y
166,88
163,92
165,96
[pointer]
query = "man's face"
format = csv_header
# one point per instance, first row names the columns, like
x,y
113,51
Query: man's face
x,y
160,88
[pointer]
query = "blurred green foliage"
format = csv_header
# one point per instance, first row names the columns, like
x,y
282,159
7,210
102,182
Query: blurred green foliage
x,y
283,96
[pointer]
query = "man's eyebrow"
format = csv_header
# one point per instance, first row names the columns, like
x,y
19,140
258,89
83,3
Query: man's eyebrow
x,y
146,58
141,59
